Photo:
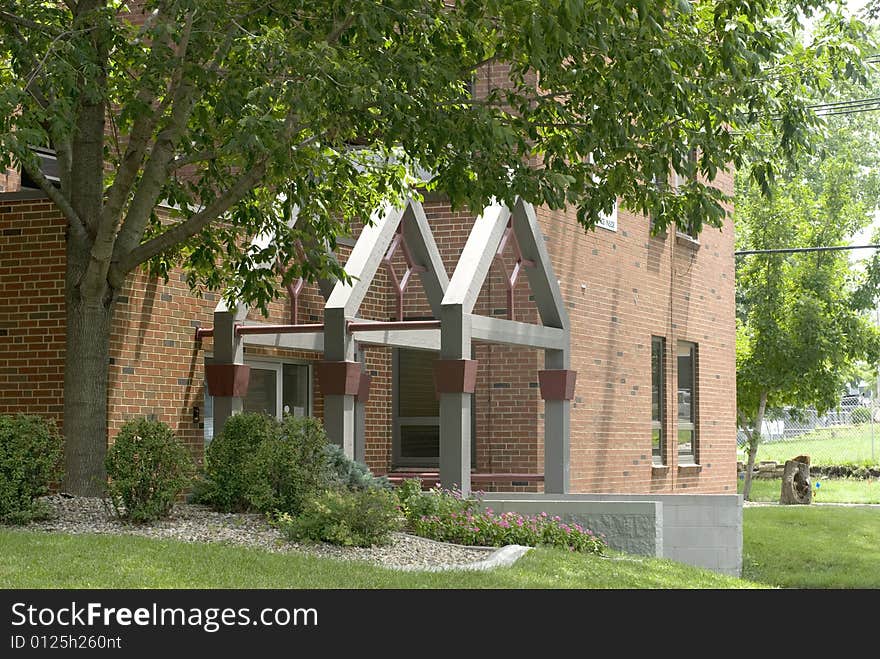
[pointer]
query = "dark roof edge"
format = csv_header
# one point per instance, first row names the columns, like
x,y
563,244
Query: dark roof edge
x,y
23,195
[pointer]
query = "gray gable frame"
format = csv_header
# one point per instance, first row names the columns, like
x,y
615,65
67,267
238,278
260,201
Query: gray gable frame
x,y
345,300
460,326
343,381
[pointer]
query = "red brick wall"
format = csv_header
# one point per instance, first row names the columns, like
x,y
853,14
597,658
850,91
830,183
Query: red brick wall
x,y
31,308
621,288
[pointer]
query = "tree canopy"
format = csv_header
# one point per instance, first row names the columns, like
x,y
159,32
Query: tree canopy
x,y
802,326
240,109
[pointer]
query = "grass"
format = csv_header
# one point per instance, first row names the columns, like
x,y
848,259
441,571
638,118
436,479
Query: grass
x,y
812,547
52,560
841,490
839,445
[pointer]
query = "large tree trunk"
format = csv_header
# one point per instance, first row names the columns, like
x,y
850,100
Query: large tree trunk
x,y
85,379
754,440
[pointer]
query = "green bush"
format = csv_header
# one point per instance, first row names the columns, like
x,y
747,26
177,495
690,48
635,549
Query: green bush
x,y
226,459
30,456
148,469
288,468
416,503
359,518
350,474
861,415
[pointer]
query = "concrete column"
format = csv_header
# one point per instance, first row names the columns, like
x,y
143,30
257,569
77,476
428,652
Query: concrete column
x,y
339,421
455,408
228,349
339,409
360,413
557,432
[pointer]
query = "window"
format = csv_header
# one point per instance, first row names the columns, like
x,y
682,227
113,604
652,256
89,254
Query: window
x,y
609,220
687,402
416,424
658,438
417,409
660,184
275,388
679,180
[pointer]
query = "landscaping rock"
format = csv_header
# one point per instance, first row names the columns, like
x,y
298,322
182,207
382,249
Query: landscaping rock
x,y
196,523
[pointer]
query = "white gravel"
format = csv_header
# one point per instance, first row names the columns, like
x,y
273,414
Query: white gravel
x,y
196,523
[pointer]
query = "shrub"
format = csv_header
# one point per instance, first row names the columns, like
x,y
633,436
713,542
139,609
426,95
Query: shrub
x,y
288,468
30,458
148,469
861,415
226,459
350,474
416,503
359,518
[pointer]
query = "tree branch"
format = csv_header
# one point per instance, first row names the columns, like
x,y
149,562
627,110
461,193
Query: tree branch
x,y
55,195
191,159
190,227
340,28
29,24
130,165
155,171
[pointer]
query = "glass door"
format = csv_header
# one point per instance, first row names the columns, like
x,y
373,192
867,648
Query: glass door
x,y
264,392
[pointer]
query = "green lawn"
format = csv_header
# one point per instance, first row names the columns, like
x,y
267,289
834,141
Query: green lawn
x,y
42,560
840,445
841,490
812,546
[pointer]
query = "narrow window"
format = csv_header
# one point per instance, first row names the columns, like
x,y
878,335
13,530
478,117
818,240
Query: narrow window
x,y
680,180
687,402
658,438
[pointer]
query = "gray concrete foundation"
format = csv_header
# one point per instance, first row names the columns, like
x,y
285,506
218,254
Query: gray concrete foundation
x,y
704,530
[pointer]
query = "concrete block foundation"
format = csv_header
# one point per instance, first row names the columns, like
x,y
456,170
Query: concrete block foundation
x,y
703,530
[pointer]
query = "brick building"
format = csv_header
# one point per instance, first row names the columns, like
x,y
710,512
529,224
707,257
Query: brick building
x,y
652,338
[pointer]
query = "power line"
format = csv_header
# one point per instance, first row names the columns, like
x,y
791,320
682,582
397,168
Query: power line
x,y
795,250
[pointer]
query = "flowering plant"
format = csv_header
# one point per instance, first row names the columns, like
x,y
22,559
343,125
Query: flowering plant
x,y
446,516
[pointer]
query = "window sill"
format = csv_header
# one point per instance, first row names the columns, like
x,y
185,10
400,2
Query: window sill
x,y
686,240
690,466
658,469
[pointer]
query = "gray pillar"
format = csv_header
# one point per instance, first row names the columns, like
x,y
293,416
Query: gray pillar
x,y
339,421
557,433
228,349
360,415
455,408
360,436
339,410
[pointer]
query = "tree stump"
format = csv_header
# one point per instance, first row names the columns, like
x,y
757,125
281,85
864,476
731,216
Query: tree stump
x,y
796,487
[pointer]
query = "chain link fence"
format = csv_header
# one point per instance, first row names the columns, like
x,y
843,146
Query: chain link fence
x,y
847,435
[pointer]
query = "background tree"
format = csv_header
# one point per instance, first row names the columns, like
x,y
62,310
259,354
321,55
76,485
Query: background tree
x,y
232,112
802,330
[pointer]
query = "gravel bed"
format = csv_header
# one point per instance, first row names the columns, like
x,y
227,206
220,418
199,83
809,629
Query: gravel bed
x,y
196,523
